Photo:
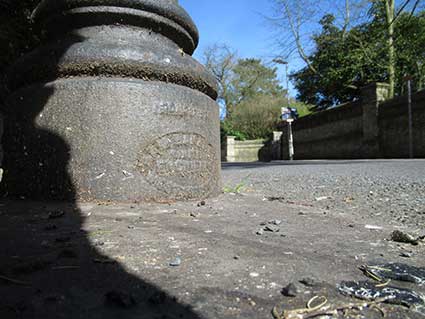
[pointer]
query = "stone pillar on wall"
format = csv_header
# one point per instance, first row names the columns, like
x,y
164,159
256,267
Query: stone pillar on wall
x,y
277,145
230,153
284,145
371,96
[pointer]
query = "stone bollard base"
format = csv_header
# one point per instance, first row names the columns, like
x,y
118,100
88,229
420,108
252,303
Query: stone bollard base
x,y
112,139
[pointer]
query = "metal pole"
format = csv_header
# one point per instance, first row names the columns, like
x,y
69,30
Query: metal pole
x,y
290,141
409,94
287,84
290,135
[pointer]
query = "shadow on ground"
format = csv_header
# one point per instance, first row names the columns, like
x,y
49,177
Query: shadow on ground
x,y
50,269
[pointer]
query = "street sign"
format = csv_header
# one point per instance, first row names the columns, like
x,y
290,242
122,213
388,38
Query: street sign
x,y
287,114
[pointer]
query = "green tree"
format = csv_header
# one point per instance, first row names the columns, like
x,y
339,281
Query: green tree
x,y
409,47
252,78
254,100
346,61
342,62
366,33
220,60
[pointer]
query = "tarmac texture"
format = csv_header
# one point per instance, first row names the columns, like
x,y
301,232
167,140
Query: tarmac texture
x,y
302,226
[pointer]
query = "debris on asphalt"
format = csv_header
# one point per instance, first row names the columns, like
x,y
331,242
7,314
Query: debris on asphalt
x,y
322,198
98,243
367,290
374,227
290,290
349,200
275,199
252,303
176,262
275,222
405,238
120,299
406,255
195,215
56,214
202,203
272,228
395,271
310,282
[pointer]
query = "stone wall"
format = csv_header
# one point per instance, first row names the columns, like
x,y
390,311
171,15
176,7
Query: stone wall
x,y
252,150
243,151
394,129
334,133
373,127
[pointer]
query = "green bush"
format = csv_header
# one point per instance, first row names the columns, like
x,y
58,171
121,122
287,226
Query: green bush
x,y
226,129
255,118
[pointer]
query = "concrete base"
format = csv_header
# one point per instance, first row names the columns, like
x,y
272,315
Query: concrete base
x,y
112,139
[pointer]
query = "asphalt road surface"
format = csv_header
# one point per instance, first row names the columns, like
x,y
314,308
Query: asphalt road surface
x,y
228,257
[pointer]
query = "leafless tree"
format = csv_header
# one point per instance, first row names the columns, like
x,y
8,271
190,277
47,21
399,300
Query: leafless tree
x,y
220,60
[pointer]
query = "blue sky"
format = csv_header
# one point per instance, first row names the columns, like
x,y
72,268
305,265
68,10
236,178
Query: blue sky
x,y
237,23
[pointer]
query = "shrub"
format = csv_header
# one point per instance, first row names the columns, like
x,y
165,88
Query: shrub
x,y
255,118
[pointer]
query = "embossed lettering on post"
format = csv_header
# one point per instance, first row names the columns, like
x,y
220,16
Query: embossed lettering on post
x,y
181,110
180,164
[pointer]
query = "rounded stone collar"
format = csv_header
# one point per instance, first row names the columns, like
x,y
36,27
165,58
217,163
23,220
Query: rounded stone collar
x,y
169,9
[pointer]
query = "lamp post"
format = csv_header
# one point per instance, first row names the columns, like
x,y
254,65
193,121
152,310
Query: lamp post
x,y
409,79
289,121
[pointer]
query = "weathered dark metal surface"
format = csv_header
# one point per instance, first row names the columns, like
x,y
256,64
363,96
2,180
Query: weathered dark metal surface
x,y
112,107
